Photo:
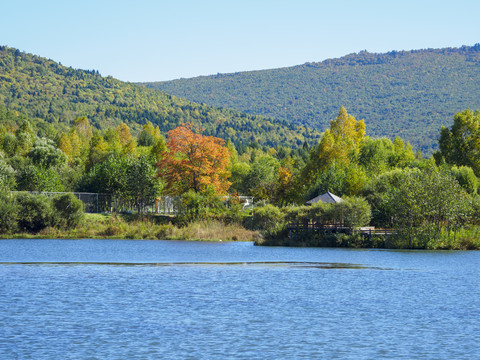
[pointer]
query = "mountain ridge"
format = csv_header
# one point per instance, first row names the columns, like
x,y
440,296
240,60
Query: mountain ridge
x,y
409,93
42,88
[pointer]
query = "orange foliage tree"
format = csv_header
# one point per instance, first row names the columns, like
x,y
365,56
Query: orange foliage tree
x,y
194,161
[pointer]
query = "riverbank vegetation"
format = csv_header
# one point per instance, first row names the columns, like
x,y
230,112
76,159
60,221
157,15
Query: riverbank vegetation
x,y
424,203
32,213
428,203
151,227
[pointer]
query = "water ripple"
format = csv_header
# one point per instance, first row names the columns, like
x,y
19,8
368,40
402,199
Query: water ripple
x,y
289,264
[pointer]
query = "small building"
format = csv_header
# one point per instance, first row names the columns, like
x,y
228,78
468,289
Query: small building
x,y
328,198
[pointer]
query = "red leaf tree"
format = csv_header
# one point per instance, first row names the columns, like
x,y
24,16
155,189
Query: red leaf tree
x,y
194,161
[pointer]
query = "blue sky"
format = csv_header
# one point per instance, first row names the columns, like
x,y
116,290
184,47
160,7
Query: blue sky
x,y
147,40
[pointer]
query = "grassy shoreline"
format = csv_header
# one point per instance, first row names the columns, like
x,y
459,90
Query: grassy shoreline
x,y
116,226
465,239
156,227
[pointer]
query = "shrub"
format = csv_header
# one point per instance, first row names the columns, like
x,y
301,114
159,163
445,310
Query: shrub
x,y
68,211
234,213
34,212
356,211
269,219
195,206
297,214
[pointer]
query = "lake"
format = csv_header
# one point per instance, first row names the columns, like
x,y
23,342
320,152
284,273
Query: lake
x,y
127,299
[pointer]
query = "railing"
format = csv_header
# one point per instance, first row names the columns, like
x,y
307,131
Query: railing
x,y
374,232
165,205
339,228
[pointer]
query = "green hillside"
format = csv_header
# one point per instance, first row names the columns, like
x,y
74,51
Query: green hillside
x,y
42,88
406,93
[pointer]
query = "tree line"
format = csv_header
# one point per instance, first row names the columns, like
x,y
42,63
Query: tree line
x,y
386,182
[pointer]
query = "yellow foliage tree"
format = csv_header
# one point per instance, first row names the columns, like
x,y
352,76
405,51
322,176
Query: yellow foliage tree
x,y
285,186
97,151
82,127
124,134
64,144
128,143
71,144
345,127
338,145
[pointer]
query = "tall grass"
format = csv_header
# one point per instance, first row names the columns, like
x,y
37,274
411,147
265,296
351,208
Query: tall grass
x,y
99,226
465,238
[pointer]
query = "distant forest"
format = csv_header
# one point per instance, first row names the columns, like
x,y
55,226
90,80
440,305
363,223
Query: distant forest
x,y
44,89
410,94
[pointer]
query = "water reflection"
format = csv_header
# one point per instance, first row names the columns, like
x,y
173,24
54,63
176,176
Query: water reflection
x,y
283,264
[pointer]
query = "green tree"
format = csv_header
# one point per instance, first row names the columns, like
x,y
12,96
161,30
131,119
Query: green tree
x,y
129,178
9,142
460,144
25,136
333,179
239,171
148,135
374,155
340,179
142,185
7,176
35,178
380,191
97,150
466,178
8,213
158,149
403,154
108,177
195,206
262,177
112,139
428,200
45,154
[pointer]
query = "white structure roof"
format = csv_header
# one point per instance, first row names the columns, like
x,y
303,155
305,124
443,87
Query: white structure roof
x,y
328,198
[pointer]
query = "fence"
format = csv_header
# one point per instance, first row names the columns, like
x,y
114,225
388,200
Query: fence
x,y
97,203
167,204
92,202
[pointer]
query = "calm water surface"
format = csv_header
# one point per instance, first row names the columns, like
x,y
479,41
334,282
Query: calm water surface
x,y
104,299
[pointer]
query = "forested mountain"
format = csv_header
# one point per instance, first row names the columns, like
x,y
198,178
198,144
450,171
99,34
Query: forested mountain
x,y
406,93
42,88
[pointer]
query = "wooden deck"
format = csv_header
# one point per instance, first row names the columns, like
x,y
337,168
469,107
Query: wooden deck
x,y
338,228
